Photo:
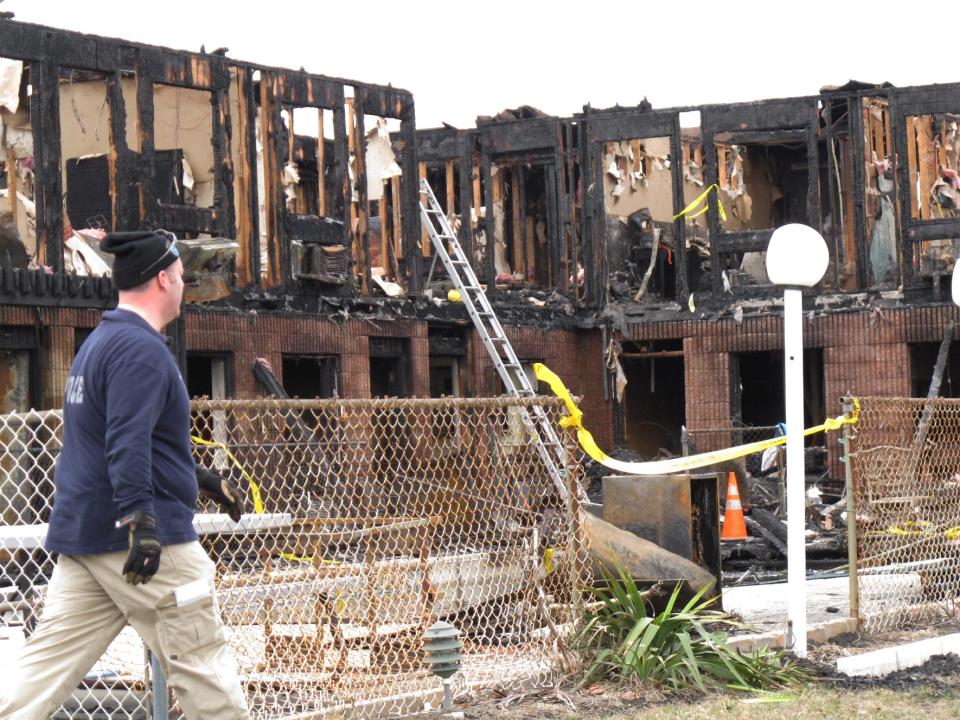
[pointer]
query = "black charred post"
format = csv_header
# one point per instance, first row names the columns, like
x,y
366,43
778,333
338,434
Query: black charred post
x,y
222,136
250,93
45,109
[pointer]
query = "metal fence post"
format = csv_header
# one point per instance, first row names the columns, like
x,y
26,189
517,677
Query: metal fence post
x,y
854,588
159,695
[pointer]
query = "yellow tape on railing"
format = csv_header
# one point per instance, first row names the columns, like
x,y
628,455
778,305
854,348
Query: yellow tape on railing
x,y
700,199
302,558
673,465
254,488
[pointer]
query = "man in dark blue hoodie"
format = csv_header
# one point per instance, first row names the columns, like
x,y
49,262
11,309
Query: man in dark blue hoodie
x,y
122,519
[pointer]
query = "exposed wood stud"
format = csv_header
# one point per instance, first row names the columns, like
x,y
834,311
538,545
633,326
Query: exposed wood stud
x,y
424,237
321,166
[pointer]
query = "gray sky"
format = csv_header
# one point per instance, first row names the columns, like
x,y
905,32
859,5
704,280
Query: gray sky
x,y
465,59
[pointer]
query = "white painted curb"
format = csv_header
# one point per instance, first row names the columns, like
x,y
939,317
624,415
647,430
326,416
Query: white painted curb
x,y
883,662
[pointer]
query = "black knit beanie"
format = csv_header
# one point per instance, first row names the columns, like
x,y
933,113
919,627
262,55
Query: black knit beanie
x,y
139,256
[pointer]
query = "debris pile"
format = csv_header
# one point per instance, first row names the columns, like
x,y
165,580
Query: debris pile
x,y
762,555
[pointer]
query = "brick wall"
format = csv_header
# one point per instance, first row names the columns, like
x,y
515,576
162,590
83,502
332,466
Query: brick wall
x,y
864,353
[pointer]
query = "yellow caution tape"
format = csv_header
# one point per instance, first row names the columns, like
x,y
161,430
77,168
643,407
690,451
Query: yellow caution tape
x,y
701,199
548,560
254,488
311,560
574,419
912,527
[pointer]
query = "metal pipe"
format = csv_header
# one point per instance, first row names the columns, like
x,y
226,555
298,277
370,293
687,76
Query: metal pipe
x,y
447,694
159,695
854,586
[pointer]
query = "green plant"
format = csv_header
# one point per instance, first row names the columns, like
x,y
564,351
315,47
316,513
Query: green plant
x,y
676,648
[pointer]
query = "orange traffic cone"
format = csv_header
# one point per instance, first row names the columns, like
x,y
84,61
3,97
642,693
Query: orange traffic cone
x,y
734,527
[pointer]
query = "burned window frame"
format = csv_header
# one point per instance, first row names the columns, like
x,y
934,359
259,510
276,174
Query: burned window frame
x,y
441,148
516,142
277,90
849,104
748,123
906,103
389,103
207,73
603,127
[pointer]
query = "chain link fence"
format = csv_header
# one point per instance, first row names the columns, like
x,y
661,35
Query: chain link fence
x,y
905,462
366,521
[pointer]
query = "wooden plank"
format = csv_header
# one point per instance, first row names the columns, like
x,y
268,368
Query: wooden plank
x,y
354,211
321,165
722,179
242,184
397,230
449,182
516,230
530,240
384,230
849,221
912,166
424,237
291,137
270,274
12,183
927,158
477,192
362,205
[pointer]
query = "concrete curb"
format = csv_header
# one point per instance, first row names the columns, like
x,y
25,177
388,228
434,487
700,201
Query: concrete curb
x,y
883,662
820,632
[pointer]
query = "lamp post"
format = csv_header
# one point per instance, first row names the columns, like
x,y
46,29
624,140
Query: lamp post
x,y
797,257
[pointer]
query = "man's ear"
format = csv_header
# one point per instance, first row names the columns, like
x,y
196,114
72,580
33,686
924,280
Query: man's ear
x,y
163,279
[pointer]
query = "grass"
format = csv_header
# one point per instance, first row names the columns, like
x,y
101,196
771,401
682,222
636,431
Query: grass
x,y
812,703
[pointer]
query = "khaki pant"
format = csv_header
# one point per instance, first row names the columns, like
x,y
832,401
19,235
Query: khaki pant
x,y
88,603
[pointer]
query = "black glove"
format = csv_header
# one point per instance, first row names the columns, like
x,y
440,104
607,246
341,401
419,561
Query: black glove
x,y
222,491
143,560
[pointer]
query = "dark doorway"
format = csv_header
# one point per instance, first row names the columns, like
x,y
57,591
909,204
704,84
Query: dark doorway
x,y
758,394
208,376
389,367
310,376
654,399
448,353
923,357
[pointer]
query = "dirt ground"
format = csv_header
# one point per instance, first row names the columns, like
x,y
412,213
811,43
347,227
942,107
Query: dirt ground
x,y
931,692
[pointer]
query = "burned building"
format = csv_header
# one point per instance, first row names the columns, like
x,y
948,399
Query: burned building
x,y
623,247
296,199
650,227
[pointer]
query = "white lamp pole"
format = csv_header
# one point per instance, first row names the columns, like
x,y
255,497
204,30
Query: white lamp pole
x,y
797,257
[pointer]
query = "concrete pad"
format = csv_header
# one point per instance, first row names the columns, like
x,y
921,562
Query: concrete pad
x,y
765,606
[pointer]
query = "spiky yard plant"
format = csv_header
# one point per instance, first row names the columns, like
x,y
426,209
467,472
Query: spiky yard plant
x,y
623,639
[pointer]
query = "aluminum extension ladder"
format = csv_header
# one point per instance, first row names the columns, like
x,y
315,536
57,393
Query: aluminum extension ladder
x,y
515,380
